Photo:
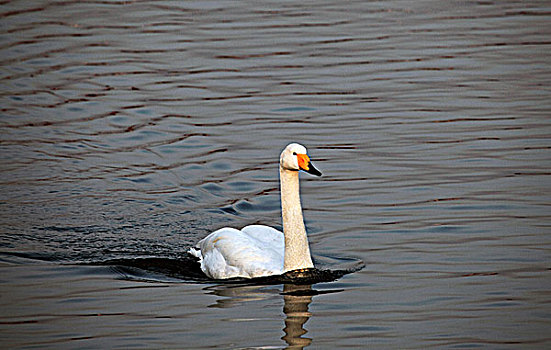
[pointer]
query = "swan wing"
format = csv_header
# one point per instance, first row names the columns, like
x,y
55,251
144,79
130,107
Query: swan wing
x,y
254,251
266,234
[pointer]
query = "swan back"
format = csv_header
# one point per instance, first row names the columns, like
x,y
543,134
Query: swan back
x,y
254,251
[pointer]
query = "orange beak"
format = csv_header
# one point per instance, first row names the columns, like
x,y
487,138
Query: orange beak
x,y
303,161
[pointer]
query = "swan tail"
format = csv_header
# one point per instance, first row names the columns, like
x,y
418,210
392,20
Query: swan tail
x,y
195,252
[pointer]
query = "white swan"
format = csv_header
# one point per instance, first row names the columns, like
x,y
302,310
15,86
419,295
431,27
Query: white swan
x,y
258,250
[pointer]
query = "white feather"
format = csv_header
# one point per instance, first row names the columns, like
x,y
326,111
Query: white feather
x,y
254,251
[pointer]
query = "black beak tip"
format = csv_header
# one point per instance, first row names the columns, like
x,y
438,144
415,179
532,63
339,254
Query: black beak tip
x,y
313,171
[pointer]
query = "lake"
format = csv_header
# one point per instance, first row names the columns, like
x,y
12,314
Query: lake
x,y
132,129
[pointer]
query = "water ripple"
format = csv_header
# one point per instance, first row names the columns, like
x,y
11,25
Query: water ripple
x,y
132,129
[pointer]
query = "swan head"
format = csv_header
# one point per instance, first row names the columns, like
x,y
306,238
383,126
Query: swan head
x,y
295,157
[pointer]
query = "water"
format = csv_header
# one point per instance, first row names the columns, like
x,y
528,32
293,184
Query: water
x,y
130,130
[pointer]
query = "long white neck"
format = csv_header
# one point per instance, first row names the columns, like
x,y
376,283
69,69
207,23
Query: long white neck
x,y
297,251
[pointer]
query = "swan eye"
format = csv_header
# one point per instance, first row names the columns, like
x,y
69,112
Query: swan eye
x,y
294,153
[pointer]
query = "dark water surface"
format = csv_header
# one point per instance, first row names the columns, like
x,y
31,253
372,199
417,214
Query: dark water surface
x,y
130,130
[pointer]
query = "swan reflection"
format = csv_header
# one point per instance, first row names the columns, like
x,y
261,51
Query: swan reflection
x,y
296,303
297,299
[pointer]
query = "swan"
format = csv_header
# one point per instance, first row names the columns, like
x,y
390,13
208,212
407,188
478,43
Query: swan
x,y
258,250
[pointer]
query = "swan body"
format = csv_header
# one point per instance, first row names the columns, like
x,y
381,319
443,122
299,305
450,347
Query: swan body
x,y
253,251
258,250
